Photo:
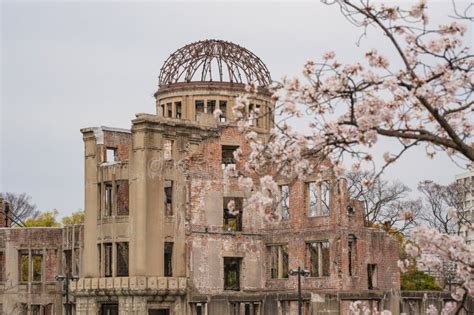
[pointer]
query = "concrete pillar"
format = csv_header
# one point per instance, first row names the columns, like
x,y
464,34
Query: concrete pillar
x,y
147,202
91,205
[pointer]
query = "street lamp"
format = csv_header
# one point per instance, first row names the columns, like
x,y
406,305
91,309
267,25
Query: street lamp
x,y
299,272
66,278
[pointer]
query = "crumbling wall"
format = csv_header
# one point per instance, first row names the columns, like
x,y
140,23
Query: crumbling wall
x,y
117,139
207,252
209,186
39,290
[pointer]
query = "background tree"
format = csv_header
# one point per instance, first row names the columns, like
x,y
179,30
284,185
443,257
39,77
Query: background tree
x,y
74,218
44,219
21,206
438,200
386,202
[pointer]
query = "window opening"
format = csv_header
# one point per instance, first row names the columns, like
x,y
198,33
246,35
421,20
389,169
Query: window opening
x,y
178,109
232,214
285,201
223,108
168,197
108,259
168,272
232,273
122,259
317,257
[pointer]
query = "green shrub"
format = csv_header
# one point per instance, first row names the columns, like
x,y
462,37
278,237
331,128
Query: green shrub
x,y
417,280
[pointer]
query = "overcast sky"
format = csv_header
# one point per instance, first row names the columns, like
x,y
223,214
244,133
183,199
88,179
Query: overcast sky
x,y
69,65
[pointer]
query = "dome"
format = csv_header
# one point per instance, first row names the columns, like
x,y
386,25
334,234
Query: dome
x,y
214,61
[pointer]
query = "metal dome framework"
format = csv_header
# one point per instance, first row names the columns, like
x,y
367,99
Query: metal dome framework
x,y
214,61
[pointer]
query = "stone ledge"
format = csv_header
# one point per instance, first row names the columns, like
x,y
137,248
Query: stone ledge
x,y
129,286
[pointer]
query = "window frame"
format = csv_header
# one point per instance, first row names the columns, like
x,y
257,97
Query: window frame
x,y
237,285
323,198
322,255
284,201
281,271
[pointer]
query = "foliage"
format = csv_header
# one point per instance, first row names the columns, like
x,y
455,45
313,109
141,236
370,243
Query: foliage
x,y
21,207
44,219
76,217
417,281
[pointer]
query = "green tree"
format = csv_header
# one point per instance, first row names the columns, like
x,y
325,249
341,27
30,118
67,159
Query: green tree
x,y
44,219
417,280
76,217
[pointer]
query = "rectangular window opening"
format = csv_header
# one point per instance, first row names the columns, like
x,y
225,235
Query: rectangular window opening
x,y
162,108
325,198
48,309
251,115
161,311
198,308
351,253
109,309
211,106
77,259
111,155
312,195
284,201
169,110
35,309
199,108
99,201
99,255
278,261
37,264
317,258
251,308
372,276
168,257
108,259
223,108
178,109
23,259
123,195
232,273
227,158
68,260
258,116
168,197
317,198
108,200
122,259
168,146
233,214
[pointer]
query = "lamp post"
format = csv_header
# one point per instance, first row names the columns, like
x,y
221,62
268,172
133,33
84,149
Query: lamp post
x,y
66,278
299,272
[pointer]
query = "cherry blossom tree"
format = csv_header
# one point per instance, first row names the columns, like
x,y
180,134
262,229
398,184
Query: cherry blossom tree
x,y
422,96
426,101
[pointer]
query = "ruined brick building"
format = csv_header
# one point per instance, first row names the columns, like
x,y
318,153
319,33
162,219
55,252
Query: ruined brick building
x,y
159,237
30,260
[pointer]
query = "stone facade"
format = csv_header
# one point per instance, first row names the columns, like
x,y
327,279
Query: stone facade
x,y
177,249
159,235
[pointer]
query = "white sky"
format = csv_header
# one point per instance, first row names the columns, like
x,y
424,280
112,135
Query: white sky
x,y
69,65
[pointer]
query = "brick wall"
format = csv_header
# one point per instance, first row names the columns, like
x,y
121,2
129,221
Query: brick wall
x,y
372,246
119,140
